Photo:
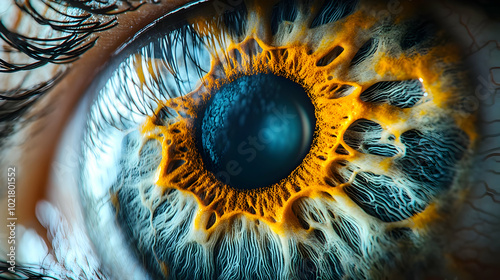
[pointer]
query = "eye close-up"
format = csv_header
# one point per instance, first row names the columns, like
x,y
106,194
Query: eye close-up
x,y
249,139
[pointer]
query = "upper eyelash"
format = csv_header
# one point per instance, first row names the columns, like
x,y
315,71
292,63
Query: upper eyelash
x,y
66,48
60,50
16,102
73,42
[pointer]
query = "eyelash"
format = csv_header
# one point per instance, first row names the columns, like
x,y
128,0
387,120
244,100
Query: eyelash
x,y
14,103
72,41
23,272
65,48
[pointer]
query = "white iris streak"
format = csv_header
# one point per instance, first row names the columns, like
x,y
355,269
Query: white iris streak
x,y
160,71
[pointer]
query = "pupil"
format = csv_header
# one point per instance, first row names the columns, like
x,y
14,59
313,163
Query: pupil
x,y
256,130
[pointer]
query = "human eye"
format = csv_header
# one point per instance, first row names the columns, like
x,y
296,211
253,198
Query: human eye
x,y
396,172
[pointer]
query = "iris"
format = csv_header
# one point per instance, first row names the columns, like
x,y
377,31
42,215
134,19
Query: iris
x,y
259,143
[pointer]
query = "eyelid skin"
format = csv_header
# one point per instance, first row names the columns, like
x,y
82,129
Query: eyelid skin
x,y
39,139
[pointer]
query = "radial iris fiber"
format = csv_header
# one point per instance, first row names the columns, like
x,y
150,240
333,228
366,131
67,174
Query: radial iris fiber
x,y
256,130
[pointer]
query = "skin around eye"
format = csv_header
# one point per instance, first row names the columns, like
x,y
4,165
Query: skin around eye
x,y
42,151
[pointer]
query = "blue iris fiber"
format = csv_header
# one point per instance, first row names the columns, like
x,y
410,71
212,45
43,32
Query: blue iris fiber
x,y
431,157
256,130
402,94
365,135
283,11
332,11
379,196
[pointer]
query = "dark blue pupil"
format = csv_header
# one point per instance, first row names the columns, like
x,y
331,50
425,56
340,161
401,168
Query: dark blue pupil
x,y
256,130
